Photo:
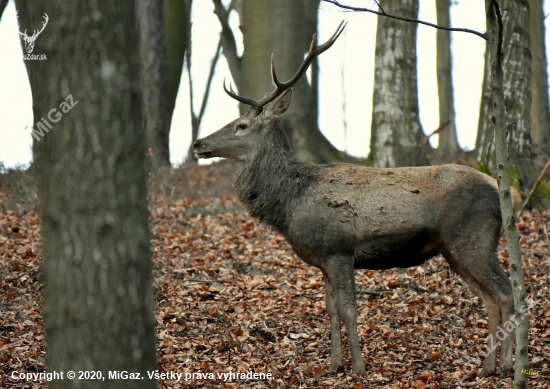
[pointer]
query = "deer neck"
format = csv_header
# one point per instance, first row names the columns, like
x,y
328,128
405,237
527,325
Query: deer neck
x,y
269,184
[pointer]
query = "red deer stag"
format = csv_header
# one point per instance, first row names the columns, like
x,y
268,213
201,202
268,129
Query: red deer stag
x,y
341,217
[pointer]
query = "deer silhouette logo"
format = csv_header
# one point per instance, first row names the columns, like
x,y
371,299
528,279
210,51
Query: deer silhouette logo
x,y
29,40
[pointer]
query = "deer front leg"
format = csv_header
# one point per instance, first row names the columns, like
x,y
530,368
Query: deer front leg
x,y
342,279
336,363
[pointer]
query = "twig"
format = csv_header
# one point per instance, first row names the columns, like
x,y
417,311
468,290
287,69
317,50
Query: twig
x,y
546,235
417,288
228,41
209,82
374,292
405,19
535,186
436,131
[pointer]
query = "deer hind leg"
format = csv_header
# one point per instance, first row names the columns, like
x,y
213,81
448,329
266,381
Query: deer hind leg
x,y
503,291
487,279
339,273
336,363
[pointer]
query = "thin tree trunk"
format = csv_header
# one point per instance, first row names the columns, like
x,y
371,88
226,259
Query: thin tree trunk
x,y
153,77
502,155
448,142
540,108
98,302
396,134
177,41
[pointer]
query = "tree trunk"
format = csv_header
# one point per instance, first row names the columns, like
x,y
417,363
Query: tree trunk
x,y
153,77
503,177
517,91
448,142
540,108
90,166
396,133
484,129
177,42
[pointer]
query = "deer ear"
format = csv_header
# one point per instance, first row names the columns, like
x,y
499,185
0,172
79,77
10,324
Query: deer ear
x,y
279,105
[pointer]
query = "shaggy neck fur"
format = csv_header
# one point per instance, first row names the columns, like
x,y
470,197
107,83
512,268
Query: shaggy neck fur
x,y
268,184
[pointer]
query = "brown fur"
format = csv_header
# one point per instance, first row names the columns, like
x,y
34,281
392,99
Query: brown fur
x,y
343,217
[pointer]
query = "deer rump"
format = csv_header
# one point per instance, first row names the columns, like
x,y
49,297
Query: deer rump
x,y
386,218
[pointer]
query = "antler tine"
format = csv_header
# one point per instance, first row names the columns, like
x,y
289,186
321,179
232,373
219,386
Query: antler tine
x,y
241,99
280,87
274,78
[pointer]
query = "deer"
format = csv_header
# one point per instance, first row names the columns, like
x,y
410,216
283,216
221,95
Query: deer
x,y
341,217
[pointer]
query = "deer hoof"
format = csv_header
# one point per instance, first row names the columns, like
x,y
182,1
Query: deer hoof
x,y
359,370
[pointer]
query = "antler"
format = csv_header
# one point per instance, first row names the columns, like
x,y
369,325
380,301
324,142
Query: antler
x,y
280,87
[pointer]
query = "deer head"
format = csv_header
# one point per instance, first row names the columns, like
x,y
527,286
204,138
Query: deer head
x,y
29,40
241,139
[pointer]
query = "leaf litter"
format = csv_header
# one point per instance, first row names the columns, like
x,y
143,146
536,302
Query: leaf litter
x,y
232,297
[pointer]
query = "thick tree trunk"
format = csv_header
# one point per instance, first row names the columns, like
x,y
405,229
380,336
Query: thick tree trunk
x,y
99,306
396,133
516,63
502,156
153,77
540,108
448,142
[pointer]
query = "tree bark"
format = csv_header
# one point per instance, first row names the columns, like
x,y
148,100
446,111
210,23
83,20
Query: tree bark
x,y
98,302
448,142
516,64
502,156
483,138
396,133
154,84
540,107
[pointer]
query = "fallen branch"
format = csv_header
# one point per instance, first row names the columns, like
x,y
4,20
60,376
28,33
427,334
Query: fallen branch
x,y
535,186
371,292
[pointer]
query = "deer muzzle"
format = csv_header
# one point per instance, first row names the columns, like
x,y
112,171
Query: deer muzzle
x,y
202,149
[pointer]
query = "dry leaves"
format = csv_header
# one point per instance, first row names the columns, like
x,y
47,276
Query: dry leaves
x,y
233,298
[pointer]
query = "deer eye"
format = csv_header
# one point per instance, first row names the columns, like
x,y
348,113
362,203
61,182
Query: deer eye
x,y
241,126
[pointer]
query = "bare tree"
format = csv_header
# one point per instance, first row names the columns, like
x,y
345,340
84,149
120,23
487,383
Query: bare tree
x,y
495,33
448,142
396,133
90,169
177,39
540,108
196,118
154,83
516,64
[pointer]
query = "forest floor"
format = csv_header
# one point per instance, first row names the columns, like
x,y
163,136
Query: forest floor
x,y
233,297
